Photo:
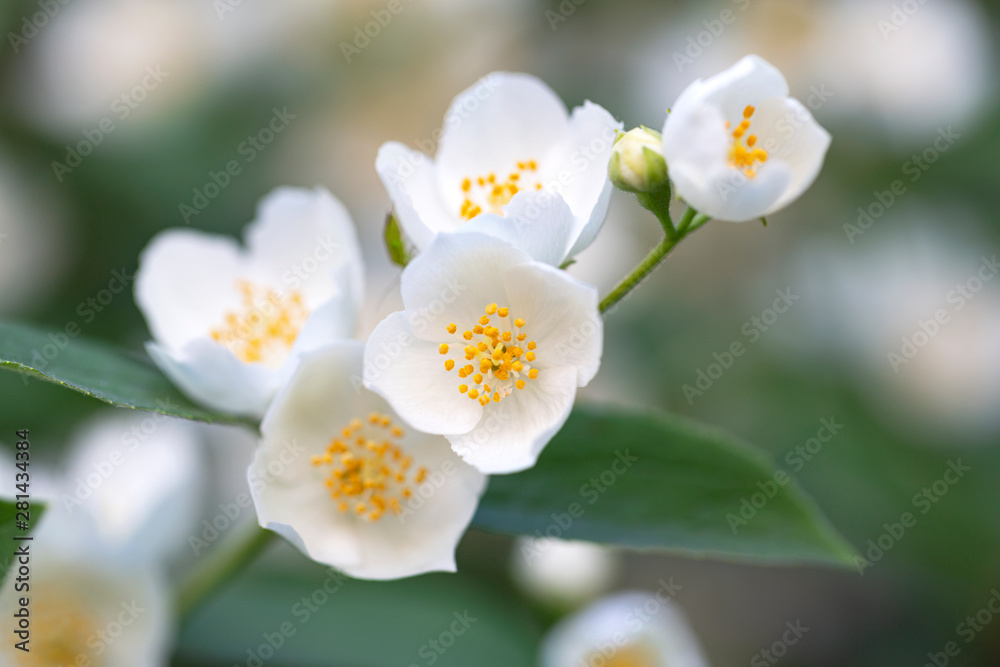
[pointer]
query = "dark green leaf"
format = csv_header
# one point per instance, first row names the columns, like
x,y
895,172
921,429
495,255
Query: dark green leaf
x,y
97,370
9,529
643,479
350,623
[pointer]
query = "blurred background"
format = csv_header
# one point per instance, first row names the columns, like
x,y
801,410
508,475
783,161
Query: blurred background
x,y
901,225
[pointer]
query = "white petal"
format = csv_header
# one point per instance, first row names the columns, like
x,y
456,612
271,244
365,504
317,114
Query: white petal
x,y
409,373
411,181
739,199
561,314
454,280
209,374
749,82
588,192
539,223
186,283
514,431
333,320
804,149
625,620
503,119
292,498
139,477
299,238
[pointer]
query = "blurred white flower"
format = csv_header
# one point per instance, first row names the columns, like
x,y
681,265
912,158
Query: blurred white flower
x,y
562,573
867,63
738,148
76,70
505,137
132,483
489,350
632,629
84,611
123,507
345,481
914,311
884,58
229,324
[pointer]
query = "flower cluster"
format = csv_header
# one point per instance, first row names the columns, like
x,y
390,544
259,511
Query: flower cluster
x,y
395,435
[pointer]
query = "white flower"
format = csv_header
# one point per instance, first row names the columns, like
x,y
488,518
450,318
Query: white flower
x,y
230,324
343,479
132,486
633,629
489,350
505,137
564,573
85,610
738,148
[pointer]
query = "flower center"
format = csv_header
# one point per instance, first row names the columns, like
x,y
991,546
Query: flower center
x,y
743,155
626,656
264,331
489,194
368,472
64,628
496,357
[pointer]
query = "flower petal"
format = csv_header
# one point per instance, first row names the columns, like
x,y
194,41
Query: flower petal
x,y
539,223
588,192
514,431
561,315
300,237
411,181
186,282
409,373
454,279
503,119
209,374
649,622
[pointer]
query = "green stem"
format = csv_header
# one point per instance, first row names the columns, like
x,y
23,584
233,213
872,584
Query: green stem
x,y
685,224
688,224
221,565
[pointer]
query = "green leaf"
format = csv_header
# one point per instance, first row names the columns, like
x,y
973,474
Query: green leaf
x,y
395,243
9,530
647,480
97,370
332,621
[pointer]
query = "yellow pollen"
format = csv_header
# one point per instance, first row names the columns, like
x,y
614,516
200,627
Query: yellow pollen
x,y
443,348
267,326
367,474
744,156
63,629
452,328
502,367
489,193
624,656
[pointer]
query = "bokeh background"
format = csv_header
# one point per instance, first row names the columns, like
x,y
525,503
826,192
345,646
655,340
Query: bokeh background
x,y
908,90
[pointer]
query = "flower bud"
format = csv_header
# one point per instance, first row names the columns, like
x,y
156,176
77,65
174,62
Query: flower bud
x,y
637,163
